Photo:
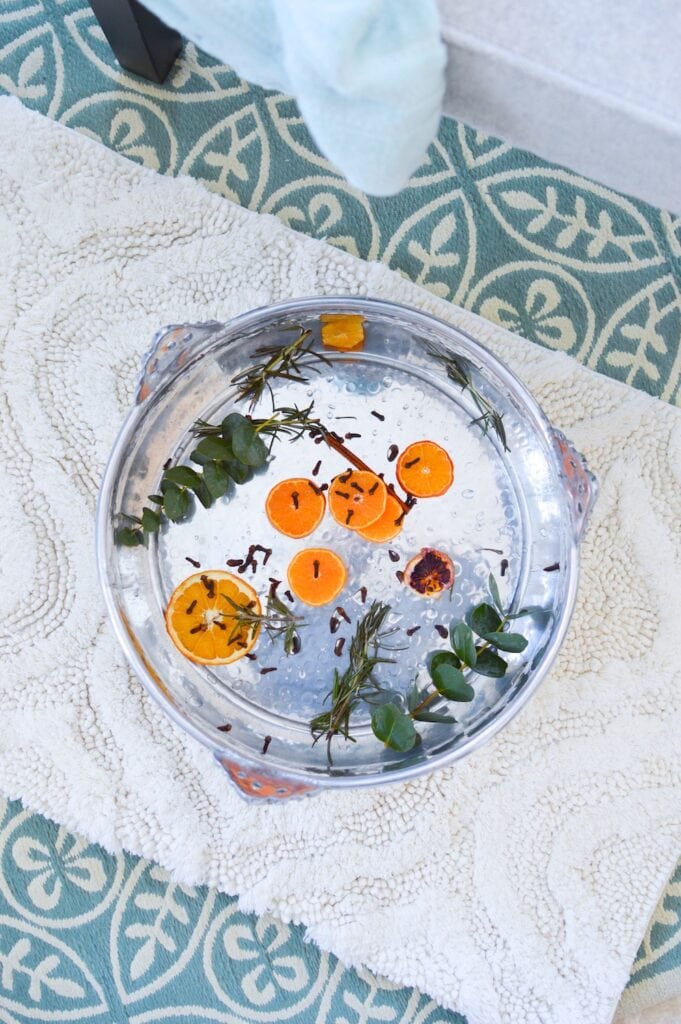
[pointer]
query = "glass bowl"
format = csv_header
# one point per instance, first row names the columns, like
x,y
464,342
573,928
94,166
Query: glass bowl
x,y
518,513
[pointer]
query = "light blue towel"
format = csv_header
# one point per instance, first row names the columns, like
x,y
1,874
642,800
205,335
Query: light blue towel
x,y
368,75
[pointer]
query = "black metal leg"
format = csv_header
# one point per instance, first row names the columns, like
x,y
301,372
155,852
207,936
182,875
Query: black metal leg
x,y
139,40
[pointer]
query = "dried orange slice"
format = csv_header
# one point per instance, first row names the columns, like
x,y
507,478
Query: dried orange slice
x,y
201,620
357,498
386,526
295,507
317,575
344,331
429,573
425,470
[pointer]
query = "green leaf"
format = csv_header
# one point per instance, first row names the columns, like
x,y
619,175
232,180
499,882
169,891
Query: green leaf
x,y
231,423
463,642
183,476
436,658
203,494
435,716
247,446
512,642
217,478
156,498
128,537
450,682
239,473
213,448
198,458
533,609
494,591
176,503
415,696
489,664
484,619
150,520
393,727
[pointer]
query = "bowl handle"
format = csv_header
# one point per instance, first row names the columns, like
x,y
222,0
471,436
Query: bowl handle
x,y
258,785
581,484
171,347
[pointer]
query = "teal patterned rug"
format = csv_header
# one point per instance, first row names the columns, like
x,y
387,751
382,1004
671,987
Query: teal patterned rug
x,y
544,252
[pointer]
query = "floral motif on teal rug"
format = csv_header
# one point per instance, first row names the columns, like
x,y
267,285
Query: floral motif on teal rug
x,y
90,937
540,250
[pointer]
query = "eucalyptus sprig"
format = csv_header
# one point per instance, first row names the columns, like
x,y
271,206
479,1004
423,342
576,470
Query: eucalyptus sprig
x,y
357,682
227,454
278,362
475,645
277,620
458,372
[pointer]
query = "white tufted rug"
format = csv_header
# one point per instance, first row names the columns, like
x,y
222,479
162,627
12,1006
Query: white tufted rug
x,y
515,887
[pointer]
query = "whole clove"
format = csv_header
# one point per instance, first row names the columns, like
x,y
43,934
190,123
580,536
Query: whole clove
x,y
504,566
442,630
266,743
340,610
412,630
225,728
393,555
392,452
192,561
265,671
317,467
363,594
552,568
378,415
338,646
334,624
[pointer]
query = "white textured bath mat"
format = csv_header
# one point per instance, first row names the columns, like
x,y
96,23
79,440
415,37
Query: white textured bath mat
x,y
514,887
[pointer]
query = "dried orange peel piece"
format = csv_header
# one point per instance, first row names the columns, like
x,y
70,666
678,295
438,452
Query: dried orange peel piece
x,y
343,331
425,470
201,620
357,498
317,575
386,526
295,506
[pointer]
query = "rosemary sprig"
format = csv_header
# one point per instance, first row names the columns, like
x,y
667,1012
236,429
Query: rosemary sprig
x,y
357,682
277,620
457,371
285,420
282,362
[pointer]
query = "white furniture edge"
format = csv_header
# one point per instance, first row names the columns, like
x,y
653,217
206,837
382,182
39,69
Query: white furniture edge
x,y
563,120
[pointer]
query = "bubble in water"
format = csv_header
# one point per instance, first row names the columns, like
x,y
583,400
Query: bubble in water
x,y
467,493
